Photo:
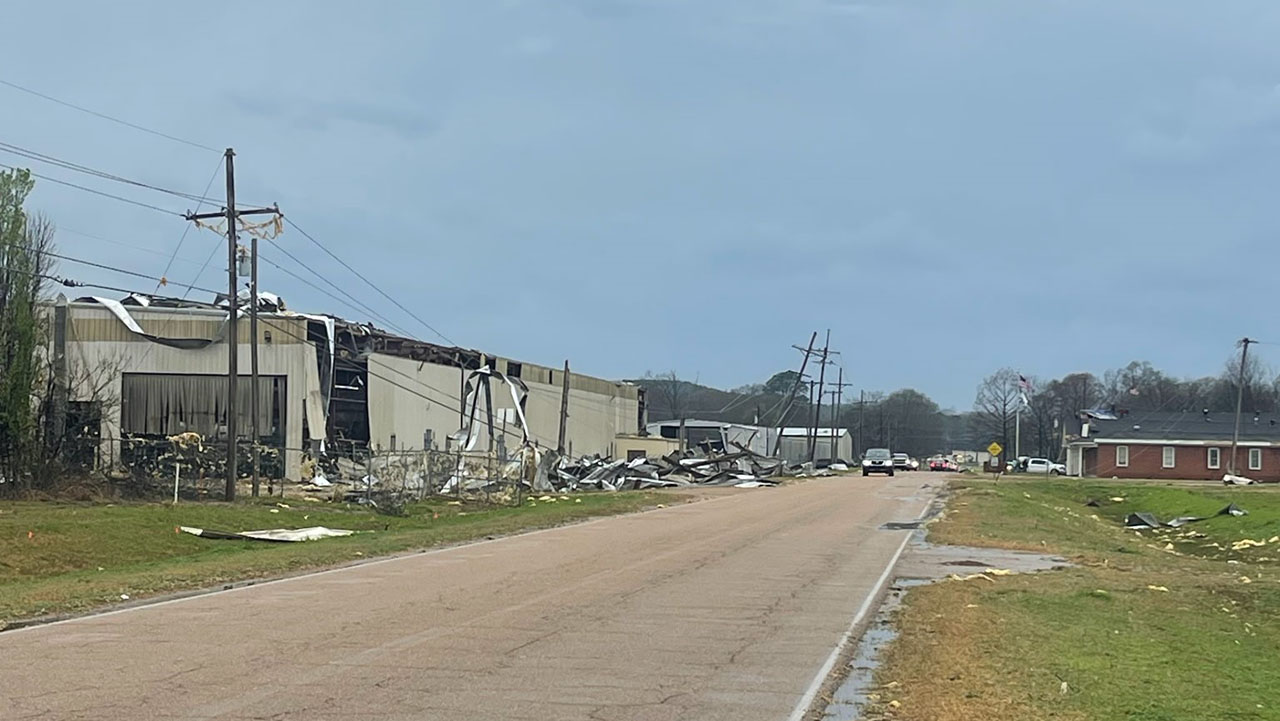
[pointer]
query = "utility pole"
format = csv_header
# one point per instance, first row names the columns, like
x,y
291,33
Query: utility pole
x,y
837,399
791,397
1235,435
564,410
232,214
817,411
862,419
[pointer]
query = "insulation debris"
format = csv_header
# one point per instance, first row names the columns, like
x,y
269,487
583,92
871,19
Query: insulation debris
x,y
284,535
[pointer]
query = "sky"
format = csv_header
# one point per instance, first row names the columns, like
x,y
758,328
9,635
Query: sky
x,y
655,185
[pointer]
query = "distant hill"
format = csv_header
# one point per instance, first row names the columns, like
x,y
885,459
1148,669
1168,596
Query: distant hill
x,y
670,398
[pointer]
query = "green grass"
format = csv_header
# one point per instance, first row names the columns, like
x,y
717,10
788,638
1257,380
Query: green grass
x,y
1205,649
58,557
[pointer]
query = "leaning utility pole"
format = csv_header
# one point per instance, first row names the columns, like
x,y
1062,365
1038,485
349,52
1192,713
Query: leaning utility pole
x,y
817,411
231,214
564,410
1235,435
791,397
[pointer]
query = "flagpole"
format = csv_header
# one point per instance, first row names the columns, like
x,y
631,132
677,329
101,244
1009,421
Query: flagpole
x,y
1017,434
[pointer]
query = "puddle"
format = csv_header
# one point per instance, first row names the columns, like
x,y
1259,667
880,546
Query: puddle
x,y
922,563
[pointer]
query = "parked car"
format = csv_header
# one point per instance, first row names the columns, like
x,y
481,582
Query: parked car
x,y
1045,467
877,460
903,462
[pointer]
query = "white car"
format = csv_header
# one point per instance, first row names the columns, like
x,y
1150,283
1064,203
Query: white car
x,y
1045,467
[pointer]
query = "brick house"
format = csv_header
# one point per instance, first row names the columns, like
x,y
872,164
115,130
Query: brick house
x,y
1179,445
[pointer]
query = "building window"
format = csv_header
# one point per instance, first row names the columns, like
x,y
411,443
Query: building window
x,y
1215,458
1255,459
1122,456
1169,459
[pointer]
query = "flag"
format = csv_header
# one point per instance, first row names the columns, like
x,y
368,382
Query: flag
x,y
1024,384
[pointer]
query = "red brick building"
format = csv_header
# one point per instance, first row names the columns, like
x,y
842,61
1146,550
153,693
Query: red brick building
x,y
1179,445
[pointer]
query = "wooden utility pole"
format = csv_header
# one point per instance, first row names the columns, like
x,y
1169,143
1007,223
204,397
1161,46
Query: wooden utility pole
x,y
231,215
564,410
862,420
817,411
837,400
1235,435
791,397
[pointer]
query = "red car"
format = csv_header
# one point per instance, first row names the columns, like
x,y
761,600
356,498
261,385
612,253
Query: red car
x,y
942,464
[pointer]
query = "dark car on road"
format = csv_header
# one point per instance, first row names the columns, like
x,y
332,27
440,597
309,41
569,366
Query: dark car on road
x,y
877,460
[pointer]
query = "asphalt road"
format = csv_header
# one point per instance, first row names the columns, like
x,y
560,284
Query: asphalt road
x,y
726,608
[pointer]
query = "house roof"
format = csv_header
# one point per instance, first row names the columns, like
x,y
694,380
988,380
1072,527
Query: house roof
x,y
1186,426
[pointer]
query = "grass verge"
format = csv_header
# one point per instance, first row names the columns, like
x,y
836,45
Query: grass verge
x,y
65,558
1148,626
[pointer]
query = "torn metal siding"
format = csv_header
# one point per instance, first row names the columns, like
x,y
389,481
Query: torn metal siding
x,y
98,342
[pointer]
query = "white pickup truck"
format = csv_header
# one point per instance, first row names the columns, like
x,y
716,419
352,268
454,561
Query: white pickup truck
x,y
1045,467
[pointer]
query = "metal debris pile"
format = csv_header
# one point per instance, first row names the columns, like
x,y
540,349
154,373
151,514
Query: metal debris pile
x,y
742,468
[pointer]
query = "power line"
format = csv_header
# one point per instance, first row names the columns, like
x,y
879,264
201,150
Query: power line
x,y
79,168
357,274
96,192
111,268
121,243
187,228
358,303
104,116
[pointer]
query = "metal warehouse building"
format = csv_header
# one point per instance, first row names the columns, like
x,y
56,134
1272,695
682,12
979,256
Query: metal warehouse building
x,y
150,367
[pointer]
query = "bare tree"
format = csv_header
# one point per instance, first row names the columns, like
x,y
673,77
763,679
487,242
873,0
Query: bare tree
x,y
671,392
995,406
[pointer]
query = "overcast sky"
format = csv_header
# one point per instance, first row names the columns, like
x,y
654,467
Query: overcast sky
x,y
643,185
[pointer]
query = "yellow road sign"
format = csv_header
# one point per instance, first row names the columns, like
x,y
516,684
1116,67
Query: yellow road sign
x,y
995,448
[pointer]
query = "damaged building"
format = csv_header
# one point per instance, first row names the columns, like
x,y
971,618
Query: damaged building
x,y
146,369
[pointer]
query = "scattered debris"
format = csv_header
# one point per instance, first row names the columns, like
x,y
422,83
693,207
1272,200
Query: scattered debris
x,y
314,533
1143,520
1230,480
1162,589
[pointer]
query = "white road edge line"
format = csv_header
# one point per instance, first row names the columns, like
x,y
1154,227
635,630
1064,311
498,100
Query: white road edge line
x,y
802,707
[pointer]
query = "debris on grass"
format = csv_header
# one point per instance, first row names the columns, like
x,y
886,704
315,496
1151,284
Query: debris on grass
x,y
1162,589
284,535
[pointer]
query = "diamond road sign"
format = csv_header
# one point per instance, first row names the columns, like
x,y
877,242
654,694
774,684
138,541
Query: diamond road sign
x,y
995,448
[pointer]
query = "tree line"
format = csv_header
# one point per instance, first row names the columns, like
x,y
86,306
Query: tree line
x,y
1052,407
910,421
27,440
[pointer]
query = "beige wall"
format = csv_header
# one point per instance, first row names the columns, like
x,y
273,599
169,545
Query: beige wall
x,y
598,409
100,349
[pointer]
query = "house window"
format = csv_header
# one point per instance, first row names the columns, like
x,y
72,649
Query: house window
x,y
1215,458
1169,459
1255,459
1122,456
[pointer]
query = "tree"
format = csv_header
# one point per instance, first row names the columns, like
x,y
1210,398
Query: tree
x,y
781,383
1077,392
995,406
24,243
912,422
671,393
